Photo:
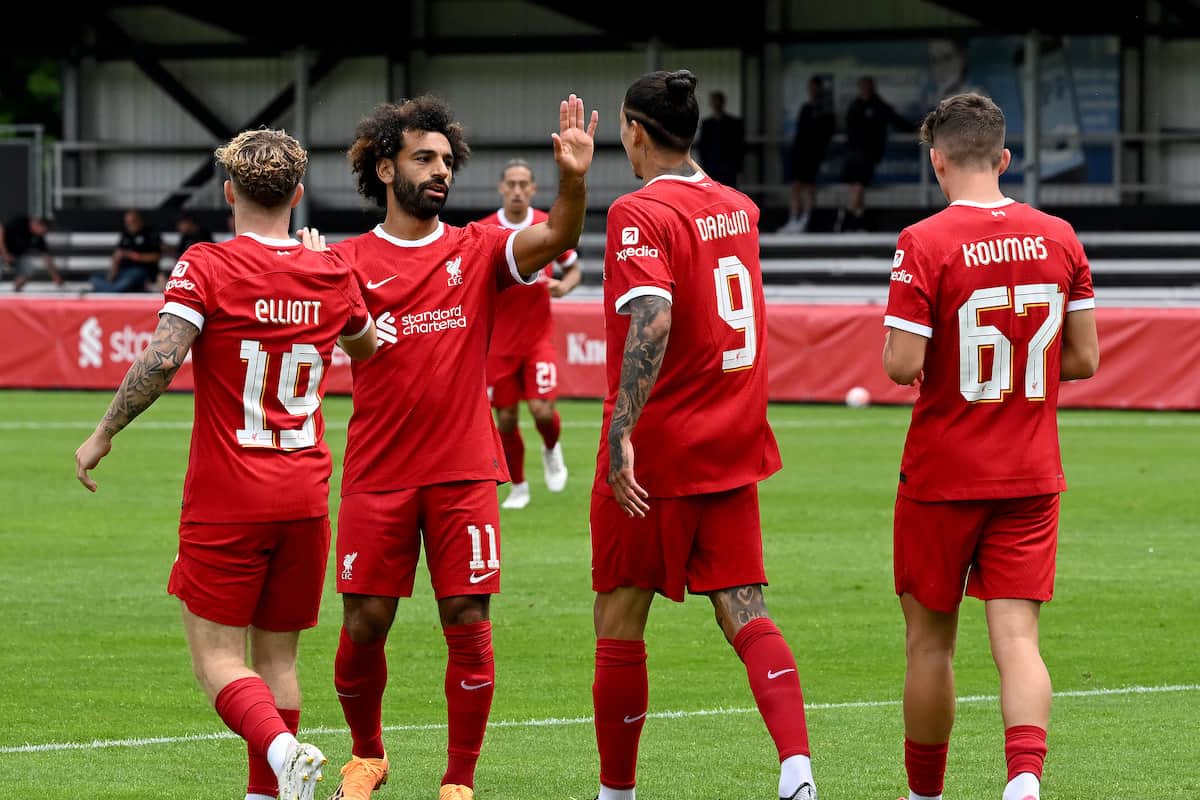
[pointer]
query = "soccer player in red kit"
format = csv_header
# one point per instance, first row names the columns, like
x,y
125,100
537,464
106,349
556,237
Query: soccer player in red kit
x,y
687,392
260,314
521,361
422,456
991,301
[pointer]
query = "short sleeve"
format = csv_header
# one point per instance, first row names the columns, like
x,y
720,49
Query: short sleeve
x,y
189,288
567,259
497,244
1081,295
910,299
358,319
636,255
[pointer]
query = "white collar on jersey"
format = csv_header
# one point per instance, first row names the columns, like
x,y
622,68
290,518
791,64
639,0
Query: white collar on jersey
x,y
972,204
431,238
699,176
516,226
271,242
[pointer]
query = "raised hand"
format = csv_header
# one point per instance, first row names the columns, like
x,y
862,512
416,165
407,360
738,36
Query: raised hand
x,y
573,144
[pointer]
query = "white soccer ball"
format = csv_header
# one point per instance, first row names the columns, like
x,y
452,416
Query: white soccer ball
x,y
858,397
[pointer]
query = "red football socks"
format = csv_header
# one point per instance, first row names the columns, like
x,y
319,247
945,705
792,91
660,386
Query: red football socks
x,y
248,708
470,684
621,698
1025,750
262,777
550,430
514,454
360,676
926,767
775,683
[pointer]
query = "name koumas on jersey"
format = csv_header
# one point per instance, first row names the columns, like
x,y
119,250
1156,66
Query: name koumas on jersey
x,y
704,427
421,413
269,313
523,317
990,287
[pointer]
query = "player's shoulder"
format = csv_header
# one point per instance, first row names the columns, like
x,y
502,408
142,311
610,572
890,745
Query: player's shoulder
x,y
1052,225
476,230
491,219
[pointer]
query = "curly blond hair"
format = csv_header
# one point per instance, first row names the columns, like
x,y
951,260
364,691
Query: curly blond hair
x,y
264,165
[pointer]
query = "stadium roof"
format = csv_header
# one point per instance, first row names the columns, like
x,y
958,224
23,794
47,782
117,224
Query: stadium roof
x,y
112,30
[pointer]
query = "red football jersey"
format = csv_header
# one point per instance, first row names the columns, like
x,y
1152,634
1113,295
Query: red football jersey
x,y
704,428
523,313
269,313
421,413
990,286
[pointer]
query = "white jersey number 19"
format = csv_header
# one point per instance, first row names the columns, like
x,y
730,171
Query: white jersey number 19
x,y
299,404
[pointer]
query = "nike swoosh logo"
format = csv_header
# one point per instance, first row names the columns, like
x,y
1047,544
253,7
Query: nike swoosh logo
x,y
480,578
773,675
343,694
374,285
631,720
471,687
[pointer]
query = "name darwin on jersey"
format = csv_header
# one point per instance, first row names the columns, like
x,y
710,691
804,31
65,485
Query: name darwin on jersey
x,y
1011,248
718,226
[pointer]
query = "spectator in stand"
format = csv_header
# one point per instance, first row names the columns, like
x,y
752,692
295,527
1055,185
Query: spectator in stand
x,y
190,233
814,130
722,143
135,260
867,122
22,245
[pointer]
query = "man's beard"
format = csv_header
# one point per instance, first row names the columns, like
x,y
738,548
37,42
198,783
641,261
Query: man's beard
x,y
412,199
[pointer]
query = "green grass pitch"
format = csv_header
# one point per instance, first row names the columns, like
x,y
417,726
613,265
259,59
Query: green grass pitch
x,y
92,651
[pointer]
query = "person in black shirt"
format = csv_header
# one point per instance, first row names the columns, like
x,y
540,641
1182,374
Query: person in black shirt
x,y
722,143
135,260
22,245
867,123
814,130
190,233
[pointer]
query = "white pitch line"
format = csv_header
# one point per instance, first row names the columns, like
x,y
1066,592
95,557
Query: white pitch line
x,y
99,744
1175,421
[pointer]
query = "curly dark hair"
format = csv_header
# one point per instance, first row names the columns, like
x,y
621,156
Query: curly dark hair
x,y
381,135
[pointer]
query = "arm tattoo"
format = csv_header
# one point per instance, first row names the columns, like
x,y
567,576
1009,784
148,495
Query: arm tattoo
x,y
737,606
649,327
151,373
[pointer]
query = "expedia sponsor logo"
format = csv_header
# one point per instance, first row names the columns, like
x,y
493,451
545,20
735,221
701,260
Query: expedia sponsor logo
x,y
641,251
181,283
902,276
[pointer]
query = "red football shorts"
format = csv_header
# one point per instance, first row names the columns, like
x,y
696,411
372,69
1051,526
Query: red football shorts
x,y
997,548
533,376
269,575
379,540
699,543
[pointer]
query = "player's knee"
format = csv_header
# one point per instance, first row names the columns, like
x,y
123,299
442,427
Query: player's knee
x,y
367,622
541,410
506,419
466,610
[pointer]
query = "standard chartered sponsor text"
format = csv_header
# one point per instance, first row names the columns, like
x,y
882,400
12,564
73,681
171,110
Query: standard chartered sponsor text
x,y
439,319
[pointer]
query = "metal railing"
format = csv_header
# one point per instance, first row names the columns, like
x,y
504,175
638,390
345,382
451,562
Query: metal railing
x,y
921,192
